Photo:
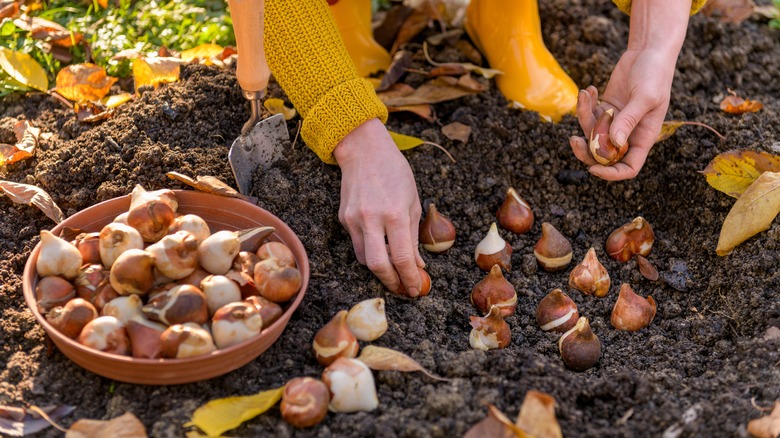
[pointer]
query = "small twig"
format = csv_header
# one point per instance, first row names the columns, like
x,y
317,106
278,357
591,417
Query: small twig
x,y
442,148
704,125
755,405
418,71
297,133
65,102
427,56
45,416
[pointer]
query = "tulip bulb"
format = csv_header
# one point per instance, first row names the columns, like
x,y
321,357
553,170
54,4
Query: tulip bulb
x,y
217,252
152,213
116,238
515,214
556,312
175,255
304,402
278,251
590,277
123,308
71,318
145,337
351,385
437,233
234,323
186,340
106,334
635,237
269,310
425,285
219,291
489,332
367,319
553,251
601,147
88,245
276,282
178,305
93,285
245,262
195,278
122,219
51,292
494,290
632,312
580,349
646,268
57,257
335,340
192,223
493,250
132,272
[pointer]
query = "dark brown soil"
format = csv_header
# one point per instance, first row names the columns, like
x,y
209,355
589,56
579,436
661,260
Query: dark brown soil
x,y
699,369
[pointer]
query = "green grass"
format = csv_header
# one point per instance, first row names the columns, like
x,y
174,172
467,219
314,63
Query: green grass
x,y
775,22
144,25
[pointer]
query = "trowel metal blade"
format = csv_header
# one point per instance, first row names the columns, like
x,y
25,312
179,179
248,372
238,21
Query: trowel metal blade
x,y
261,147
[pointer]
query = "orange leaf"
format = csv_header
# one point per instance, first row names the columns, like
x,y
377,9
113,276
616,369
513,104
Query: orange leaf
x,y
380,358
155,71
423,110
8,9
88,112
736,105
457,131
495,425
126,425
202,53
767,426
32,195
413,25
537,416
669,127
732,172
42,29
26,142
83,82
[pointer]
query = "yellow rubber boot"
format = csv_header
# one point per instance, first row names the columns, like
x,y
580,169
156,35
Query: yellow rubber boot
x,y
353,18
509,34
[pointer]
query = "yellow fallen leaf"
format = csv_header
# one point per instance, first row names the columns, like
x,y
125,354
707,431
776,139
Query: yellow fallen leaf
x,y
202,53
277,106
767,426
155,71
126,425
24,69
79,82
405,142
220,415
537,416
115,100
732,172
669,127
383,359
753,212
32,195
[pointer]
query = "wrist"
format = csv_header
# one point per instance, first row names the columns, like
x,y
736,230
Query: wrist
x,y
659,25
360,141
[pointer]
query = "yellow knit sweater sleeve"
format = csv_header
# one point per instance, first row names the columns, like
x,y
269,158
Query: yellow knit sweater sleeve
x,y
307,57
625,5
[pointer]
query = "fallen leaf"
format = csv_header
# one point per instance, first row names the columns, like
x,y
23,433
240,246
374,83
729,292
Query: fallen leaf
x,y
767,426
669,127
127,54
732,172
22,68
487,73
42,29
207,184
471,52
26,141
221,415
277,106
394,18
115,100
457,131
448,70
202,54
433,91
753,212
395,91
537,416
734,104
83,82
450,36
90,112
646,268
380,358
769,12
423,110
155,71
413,25
126,425
32,195
469,83
8,9
495,425
401,61
729,11
21,421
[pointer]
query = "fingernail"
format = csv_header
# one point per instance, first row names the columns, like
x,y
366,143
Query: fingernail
x,y
620,138
413,292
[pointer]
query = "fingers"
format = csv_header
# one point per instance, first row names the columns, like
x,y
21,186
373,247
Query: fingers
x,y
627,119
414,229
585,108
580,148
402,255
377,259
627,168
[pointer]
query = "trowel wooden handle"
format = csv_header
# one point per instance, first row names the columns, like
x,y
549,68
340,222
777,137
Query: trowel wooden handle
x,y
252,71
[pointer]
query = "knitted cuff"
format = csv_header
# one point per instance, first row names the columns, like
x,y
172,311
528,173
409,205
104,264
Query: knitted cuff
x,y
625,5
344,108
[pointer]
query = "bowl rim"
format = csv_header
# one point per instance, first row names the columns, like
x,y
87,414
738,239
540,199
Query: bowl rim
x,y
30,279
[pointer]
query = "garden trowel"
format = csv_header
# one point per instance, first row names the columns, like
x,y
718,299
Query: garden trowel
x,y
261,141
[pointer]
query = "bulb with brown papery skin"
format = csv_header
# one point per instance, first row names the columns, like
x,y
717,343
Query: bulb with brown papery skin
x,y
269,310
276,282
245,262
351,386
186,340
515,214
88,245
580,349
132,272
175,255
437,233
600,145
192,223
106,334
123,308
195,278
635,237
490,331
93,285
632,312
335,340
57,257
590,277
494,290
145,337
151,213
367,319
553,251
116,238
493,250
278,251
71,318
305,402
217,252
646,268
234,323
51,292
556,312
178,305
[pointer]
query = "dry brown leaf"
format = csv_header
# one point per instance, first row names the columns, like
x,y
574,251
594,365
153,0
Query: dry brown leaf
x,y
386,31
767,426
487,73
729,11
413,25
80,82
124,426
32,195
468,82
401,61
89,112
380,358
753,212
23,421
207,184
457,131
732,172
8,9
437,90
537,416
471,52
26,142
42,29
155,71
669,127
423,110
646,268
448,70
734,104
495,425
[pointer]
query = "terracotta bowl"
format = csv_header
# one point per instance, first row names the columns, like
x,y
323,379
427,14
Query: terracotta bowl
x,y
221,214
